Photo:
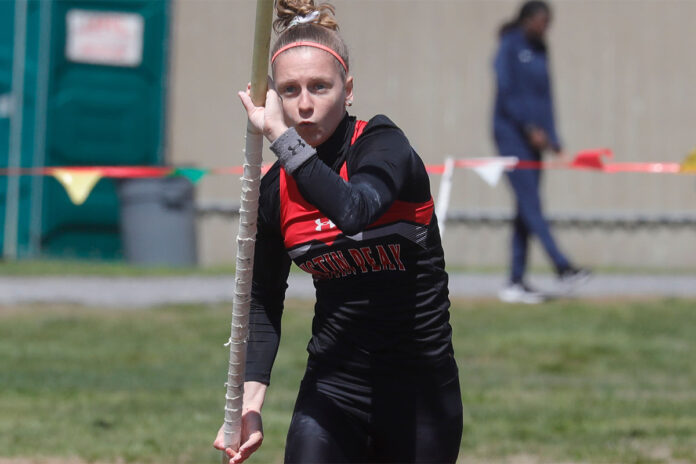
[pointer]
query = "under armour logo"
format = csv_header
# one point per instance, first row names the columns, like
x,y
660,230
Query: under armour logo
x,y
320,224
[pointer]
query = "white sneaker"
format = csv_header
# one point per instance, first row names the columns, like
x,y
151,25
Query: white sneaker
x,y
520,293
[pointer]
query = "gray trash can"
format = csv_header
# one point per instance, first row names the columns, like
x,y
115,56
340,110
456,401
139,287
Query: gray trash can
x,y
158,221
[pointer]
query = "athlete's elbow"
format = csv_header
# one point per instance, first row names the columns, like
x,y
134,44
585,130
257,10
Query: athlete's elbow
x,y
352,229
351,225
359,213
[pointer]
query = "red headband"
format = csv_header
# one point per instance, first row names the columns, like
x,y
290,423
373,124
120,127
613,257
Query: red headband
x,y
304,43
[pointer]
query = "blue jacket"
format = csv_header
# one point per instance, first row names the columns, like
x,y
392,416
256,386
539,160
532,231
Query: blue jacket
x,y
523,95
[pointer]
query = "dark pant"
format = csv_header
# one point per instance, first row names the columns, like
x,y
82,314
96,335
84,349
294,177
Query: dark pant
x,y
384,416
530,220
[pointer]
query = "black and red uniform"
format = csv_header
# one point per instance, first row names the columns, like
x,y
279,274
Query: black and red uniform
x,y
381,382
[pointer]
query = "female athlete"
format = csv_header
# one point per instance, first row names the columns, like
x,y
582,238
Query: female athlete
x,y
349,202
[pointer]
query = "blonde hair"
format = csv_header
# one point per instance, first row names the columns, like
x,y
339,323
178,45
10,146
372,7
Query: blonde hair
x,y
323,30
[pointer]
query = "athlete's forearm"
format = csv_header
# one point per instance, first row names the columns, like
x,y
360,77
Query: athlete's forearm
x,y
264,339
254,396
351,206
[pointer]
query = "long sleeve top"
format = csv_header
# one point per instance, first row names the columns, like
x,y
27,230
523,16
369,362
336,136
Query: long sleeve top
x,y
523,90
357,214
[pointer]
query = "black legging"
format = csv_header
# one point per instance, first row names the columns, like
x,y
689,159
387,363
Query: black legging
x,y
386,416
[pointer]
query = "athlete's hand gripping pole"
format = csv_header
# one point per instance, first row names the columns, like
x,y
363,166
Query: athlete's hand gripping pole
x,y
246,237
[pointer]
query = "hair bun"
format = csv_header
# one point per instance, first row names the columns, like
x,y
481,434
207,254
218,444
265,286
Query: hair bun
x,y
287,10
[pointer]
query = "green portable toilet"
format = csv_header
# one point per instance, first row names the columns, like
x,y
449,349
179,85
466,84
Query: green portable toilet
x,y
103,104
105,107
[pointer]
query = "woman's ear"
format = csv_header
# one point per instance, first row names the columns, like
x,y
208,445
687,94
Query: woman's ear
x,y
349,90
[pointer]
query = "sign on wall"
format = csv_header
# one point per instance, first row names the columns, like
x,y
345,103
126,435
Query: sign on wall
x,y
104,38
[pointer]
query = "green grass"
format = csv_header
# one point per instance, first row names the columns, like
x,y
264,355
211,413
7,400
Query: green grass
x,y
60,267
50,267
546,269
566,381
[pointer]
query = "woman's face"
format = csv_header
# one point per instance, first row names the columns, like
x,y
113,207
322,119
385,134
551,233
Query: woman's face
x,y
313,92
536,26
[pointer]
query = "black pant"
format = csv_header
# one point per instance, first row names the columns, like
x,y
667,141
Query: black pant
x,y
385,416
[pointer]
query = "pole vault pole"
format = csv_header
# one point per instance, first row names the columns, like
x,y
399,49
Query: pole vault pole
x,y
246,237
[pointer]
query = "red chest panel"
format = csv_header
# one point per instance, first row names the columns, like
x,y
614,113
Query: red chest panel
x,y
301,222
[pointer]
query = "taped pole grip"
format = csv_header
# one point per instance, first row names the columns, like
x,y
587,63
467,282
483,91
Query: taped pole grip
x,y
246,237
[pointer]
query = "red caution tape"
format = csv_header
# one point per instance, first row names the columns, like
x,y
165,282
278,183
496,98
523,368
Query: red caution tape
x,y
584,160
656,168
435,168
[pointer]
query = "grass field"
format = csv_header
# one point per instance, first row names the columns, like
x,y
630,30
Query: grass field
x,y
60,267
48,267
562,382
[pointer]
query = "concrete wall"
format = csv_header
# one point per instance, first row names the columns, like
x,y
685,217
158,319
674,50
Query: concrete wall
x,y
624,73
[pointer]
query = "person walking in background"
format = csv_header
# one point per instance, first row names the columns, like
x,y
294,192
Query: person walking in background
x,y
523,126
